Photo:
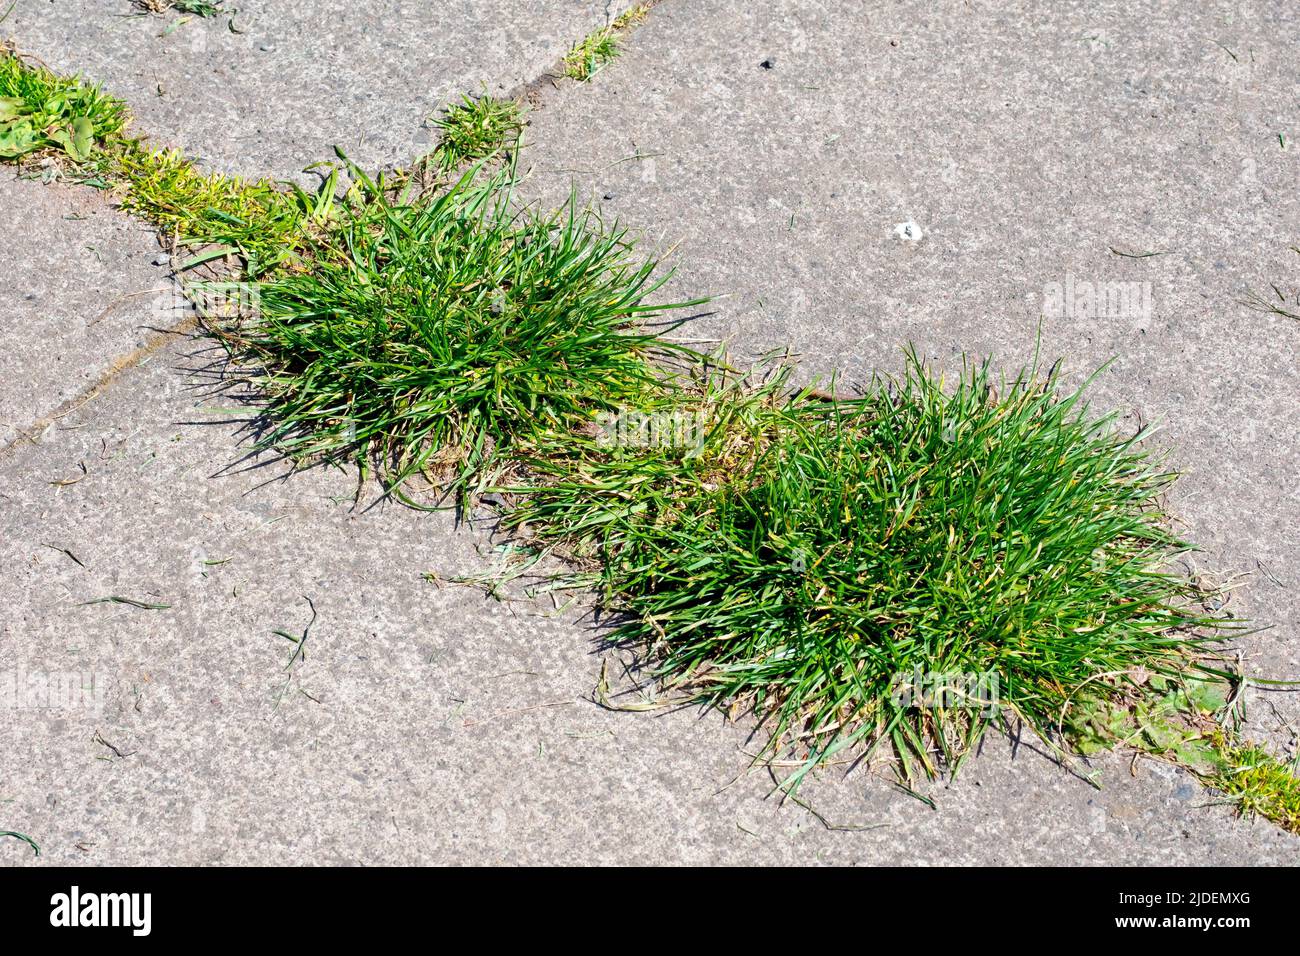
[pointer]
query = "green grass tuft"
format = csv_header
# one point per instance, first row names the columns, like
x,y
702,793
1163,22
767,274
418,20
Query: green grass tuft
x,y
477,129
593,52
590,54
42,111
812,559
441,333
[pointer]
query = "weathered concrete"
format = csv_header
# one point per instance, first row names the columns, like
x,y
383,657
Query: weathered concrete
x,y
1025,141
425,724
81,291
431,725
302,76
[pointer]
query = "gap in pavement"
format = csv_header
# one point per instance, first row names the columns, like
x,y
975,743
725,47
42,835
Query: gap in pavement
x,y
294,78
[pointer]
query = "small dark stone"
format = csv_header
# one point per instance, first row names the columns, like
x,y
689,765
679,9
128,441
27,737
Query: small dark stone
x,y
769,63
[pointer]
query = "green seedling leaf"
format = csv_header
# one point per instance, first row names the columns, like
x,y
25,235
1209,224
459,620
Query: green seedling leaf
x,y
18,139
62,138
76,138
83,139
10,108
1208,696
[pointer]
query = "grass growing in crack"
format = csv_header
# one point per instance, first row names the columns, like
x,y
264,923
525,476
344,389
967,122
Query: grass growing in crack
x,y
625,21
40,110
477,129
805,557
1257,783
1190,722
586,57
438,334
263,223
594,51
990,529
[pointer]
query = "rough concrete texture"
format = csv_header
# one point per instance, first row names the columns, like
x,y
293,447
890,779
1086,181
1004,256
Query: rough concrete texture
x,y
82,287
1025,142
429,724
425,724
291,79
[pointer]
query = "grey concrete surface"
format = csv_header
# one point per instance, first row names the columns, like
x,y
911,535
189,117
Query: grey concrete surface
x,y
425,724
291,80
1025,141
80,292
429,724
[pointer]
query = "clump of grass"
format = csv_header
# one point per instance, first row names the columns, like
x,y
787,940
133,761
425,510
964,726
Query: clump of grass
x,y
590,54
440,333
990,529
477,129
590,487
594,51
264,223
40,110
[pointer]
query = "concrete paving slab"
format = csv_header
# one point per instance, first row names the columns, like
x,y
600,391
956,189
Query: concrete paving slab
x,y
424,724
855,177
428,724
284,82
81,292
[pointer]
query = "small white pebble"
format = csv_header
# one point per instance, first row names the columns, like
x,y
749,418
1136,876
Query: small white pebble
x,y
909,231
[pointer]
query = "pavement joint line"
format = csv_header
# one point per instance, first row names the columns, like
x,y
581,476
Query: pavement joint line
x,y
122,363
531,93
